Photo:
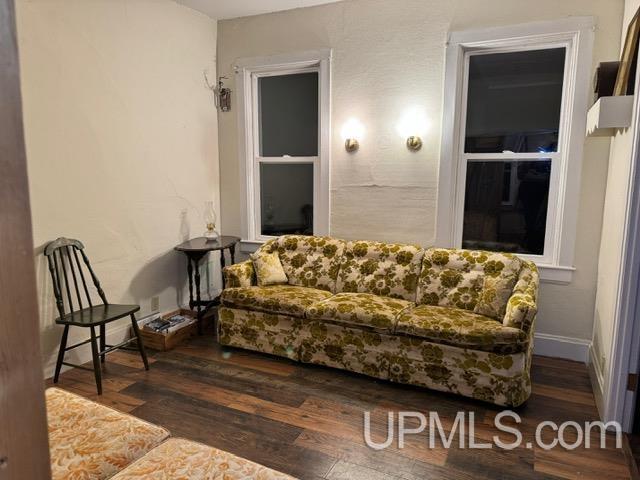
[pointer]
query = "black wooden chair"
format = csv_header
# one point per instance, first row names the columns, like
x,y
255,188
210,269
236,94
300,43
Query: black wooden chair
x,y
68,276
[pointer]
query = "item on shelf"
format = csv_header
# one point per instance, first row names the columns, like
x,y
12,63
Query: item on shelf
x,y
625,81
605,79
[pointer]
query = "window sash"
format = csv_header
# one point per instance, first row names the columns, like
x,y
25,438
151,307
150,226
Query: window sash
x,y
557,158
551,215
257,210
315,161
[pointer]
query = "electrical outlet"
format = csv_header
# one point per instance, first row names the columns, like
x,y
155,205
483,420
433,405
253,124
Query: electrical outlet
x,y
155,304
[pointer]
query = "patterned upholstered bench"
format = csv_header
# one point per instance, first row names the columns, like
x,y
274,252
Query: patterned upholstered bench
x,y
90,441
179,458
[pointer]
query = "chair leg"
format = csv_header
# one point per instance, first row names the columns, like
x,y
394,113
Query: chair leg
x,y
136,330
103,341
96,360
63,346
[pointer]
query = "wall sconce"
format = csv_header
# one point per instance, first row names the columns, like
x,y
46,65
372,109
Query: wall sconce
x,y
414,143
412,125
221,94
352,132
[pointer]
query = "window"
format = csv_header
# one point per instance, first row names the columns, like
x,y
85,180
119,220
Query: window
x,y
513,105
512,142
284,145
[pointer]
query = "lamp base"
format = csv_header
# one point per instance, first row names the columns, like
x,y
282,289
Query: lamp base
x,y
351,145
414,143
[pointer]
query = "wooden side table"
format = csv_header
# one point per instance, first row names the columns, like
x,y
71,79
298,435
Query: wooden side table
x,y
195,250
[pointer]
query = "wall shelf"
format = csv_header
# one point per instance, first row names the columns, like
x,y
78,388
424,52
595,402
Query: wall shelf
x,y
609,114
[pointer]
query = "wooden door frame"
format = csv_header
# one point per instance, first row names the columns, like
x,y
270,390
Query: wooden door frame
x,y
24,448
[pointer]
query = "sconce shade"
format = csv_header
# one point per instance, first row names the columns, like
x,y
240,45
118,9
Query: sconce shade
x,y
412,125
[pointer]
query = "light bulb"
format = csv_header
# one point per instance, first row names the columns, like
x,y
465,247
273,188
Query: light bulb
x,y
413,123
352,128
411,126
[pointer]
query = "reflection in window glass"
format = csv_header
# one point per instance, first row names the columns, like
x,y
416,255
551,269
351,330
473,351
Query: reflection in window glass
x,y
514,101
286,198
288,115
505,206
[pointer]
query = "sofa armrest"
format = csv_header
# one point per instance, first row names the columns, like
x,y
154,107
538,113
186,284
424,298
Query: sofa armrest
x,y
239,275
522,305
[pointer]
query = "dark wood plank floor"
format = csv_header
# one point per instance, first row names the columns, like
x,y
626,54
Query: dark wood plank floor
x,y
308,421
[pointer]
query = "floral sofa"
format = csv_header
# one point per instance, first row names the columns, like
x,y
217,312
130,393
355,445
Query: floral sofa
x,y
452,320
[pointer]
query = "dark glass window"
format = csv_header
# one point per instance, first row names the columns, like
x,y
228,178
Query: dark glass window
x,y
286,198
288,115
514,101
505,207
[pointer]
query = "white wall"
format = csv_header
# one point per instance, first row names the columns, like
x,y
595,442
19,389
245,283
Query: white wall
x,y
613,224
387,58
121,138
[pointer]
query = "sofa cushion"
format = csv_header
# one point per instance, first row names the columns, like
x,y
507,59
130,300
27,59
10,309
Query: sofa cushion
x,y
285,299
468,279
309,261
461,328
90,441
385,269
364,309
268,268
179,458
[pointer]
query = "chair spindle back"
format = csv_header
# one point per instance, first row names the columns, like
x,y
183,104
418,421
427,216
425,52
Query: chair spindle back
x,y
69,283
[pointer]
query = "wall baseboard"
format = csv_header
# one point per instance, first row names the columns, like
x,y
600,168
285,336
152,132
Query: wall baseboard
x,y
568,348
82,354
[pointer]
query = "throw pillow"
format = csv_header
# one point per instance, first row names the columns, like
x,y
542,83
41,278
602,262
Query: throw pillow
x,y
268,269
494,296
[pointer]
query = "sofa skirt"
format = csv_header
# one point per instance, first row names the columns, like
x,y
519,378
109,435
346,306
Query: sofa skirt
x,y
496,378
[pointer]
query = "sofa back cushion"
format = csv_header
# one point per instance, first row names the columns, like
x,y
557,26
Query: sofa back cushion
x,y
479,281
387,269
309,261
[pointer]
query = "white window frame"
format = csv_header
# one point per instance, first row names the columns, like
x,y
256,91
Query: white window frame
x,y
576,36
248,71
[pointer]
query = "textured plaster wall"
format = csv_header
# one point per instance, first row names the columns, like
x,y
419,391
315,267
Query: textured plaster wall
x,y
389,56
121,138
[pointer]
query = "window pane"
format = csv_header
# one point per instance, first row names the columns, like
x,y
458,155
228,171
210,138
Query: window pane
x,y
289,115
514,100
286,198
505,206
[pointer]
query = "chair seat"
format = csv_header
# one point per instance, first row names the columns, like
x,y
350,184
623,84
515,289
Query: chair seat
x,y
283,299
461,328
90,441
362,309
97,315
